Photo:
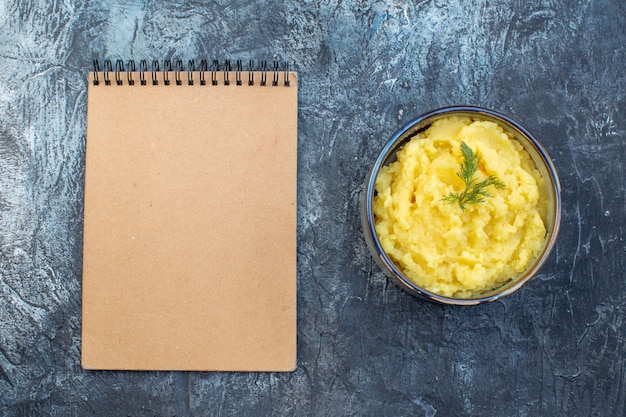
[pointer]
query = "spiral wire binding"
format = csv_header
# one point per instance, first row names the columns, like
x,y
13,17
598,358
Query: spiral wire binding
x,y
143,67
238,70
167,68
216,68
155,70
204,66
178,68
275,81
96,70
251,72
177,71
129,74
263,72
191,67
226,72
119,68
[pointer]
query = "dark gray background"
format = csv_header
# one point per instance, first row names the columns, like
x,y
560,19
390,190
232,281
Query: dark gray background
x,y
557,347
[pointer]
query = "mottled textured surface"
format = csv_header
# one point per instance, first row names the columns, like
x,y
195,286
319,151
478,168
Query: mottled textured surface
x,y
557,347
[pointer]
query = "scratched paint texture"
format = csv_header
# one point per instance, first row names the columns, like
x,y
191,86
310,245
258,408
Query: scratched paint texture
x,y
557,347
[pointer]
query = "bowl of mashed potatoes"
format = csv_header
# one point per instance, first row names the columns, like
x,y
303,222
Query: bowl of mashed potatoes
x,y
462,206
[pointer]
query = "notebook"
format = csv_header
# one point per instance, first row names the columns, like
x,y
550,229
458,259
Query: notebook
x,y
189,247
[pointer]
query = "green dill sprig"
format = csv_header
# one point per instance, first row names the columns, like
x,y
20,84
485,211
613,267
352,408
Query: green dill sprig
x,y
475,192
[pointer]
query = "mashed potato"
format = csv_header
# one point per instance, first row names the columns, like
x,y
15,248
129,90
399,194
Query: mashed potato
x,y
454,252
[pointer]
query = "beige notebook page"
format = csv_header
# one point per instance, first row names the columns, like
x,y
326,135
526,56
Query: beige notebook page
x,y
189,258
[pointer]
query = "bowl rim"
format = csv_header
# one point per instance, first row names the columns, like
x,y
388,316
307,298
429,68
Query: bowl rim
x,y
368,221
